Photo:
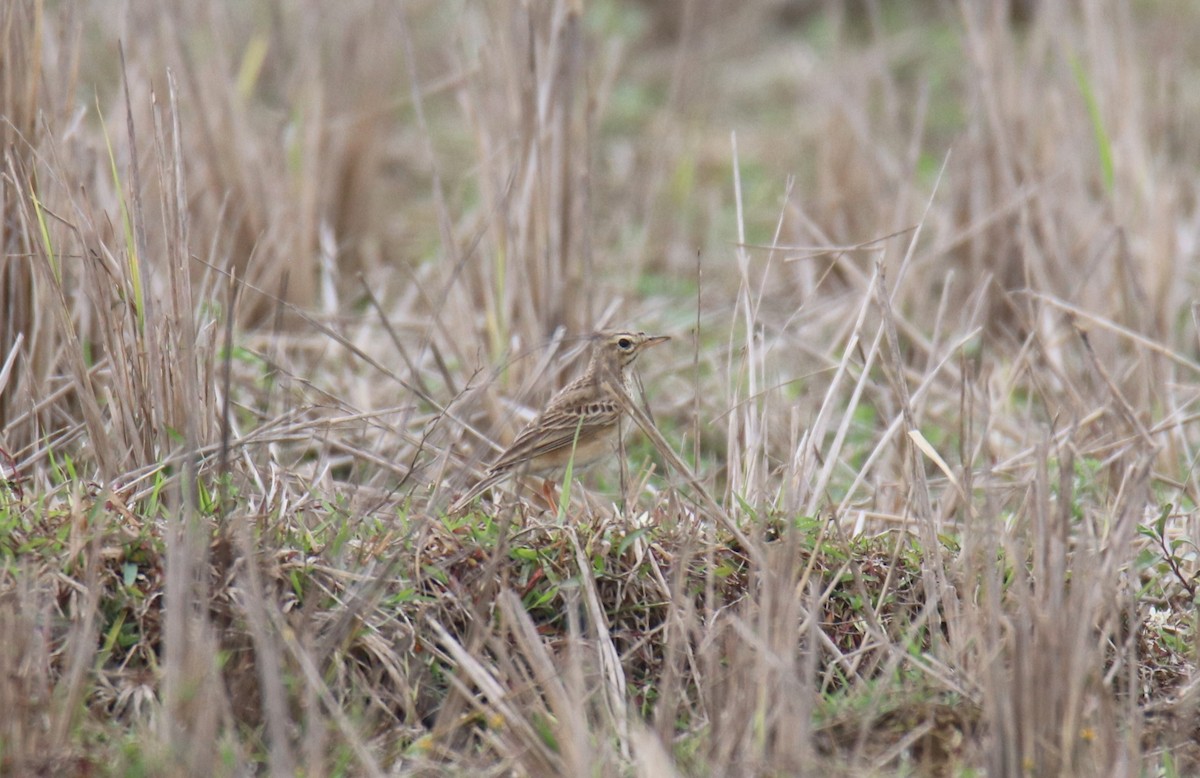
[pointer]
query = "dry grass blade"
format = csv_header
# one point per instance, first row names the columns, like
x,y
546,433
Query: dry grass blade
x,y
615,687
542,759
661,445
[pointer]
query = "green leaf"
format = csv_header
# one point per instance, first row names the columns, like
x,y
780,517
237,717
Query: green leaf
x,y
536,599
1161,525
565,498
110,639
524,554
630,539
724,570
1103,145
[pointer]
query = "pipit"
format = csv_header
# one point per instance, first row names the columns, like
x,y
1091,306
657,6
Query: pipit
x,y
579,425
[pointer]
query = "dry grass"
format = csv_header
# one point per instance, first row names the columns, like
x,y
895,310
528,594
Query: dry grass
x,y
919,496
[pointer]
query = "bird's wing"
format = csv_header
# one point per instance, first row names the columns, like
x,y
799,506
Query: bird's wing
x,y
556,428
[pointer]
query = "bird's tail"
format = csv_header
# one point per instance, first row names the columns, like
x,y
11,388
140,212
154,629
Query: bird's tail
x,y
461,504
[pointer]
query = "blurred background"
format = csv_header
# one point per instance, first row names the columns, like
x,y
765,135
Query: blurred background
x,y
492,174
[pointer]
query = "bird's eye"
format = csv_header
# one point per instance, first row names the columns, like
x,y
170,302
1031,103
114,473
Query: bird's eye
x,y
624,344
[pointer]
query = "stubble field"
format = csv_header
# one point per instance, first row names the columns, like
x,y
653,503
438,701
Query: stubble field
x,y
280,278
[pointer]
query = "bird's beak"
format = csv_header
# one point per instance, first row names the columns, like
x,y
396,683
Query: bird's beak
x,y
654,341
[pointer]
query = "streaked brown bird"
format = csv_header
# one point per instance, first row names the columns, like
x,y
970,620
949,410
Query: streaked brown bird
x,y
579,425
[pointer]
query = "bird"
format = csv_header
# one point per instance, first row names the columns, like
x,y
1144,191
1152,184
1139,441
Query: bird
x,y
579,424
